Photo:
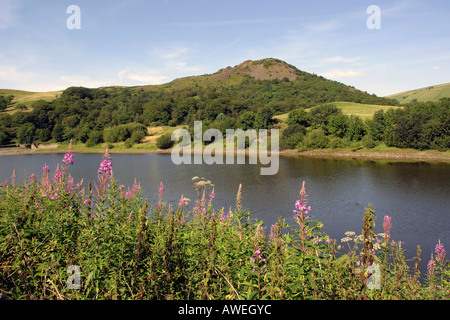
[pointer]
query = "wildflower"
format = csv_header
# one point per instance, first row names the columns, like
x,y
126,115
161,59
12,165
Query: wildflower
x,y
128,194
346,239
161,189
68,158
431,265
274,236
183,201
440,251
105,167
257,252
45,168
387,225
349,233
33,177
58,174
104,174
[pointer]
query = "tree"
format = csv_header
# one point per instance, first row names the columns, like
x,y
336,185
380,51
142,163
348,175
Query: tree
x,y
263,118
320,115
5,138
58,133
26,133
338,125
299,116
355,129
292,136
246,120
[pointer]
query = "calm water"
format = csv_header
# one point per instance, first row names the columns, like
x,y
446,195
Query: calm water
x,y
415,195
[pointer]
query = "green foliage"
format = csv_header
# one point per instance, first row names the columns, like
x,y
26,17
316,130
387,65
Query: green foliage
x,y
298,116
263,118
242,102
321,115
164,141
5,102
315,139
292,136
26,133
126,249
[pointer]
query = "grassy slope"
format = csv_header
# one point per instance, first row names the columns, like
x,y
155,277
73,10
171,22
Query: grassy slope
x,y
362,110
432,93
27,97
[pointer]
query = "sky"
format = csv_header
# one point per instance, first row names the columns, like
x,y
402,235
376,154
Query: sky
x,y
141,42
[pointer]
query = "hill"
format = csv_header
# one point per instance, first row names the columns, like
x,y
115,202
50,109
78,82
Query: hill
x,y
247,95
27,98
432,93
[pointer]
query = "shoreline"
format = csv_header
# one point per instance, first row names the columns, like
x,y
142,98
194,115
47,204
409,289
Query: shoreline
x,y
389,155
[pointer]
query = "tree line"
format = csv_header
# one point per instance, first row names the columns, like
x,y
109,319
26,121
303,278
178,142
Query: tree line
x,y
116,114
419,125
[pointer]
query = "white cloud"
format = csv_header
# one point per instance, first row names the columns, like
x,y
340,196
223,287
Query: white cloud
x,y
344,74
143,77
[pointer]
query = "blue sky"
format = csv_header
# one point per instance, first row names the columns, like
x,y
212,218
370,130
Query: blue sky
x,y
139,42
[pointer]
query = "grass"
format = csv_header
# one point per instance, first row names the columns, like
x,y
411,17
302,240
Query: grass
x,y
432,93
28,97
362,110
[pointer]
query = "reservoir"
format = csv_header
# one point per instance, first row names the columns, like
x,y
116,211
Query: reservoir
x,y
414,194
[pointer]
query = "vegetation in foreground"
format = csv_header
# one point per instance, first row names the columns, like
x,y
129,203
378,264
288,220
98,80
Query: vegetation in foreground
x,y
125,249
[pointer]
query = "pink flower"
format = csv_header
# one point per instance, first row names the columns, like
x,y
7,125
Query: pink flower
x,y
182,202
68,158
431,265
161,190
440,251
33,176
105,167
387,225
46,169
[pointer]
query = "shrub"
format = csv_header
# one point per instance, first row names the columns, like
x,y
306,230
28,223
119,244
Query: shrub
x,y
335,142
164,141
298,116
292,136
368,142
315,139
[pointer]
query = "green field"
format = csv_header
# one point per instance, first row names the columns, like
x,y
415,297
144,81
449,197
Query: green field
x,y
27,97
432,93
362,110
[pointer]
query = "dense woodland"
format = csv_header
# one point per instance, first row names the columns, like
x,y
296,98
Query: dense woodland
x,y
116,114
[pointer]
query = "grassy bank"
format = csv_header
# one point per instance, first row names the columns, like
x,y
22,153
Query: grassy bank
x,y
380,152
62,240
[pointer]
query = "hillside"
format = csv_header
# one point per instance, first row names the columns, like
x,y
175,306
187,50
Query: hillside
x,y
28,97
432,93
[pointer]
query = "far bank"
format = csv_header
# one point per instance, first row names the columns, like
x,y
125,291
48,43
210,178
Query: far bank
x,y
365,154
